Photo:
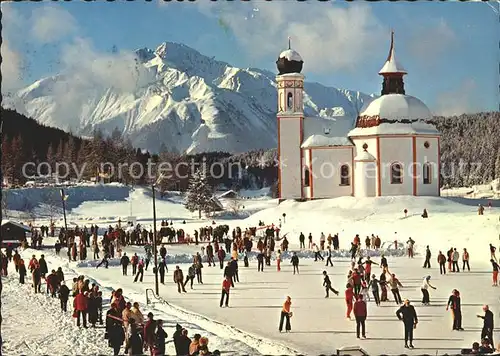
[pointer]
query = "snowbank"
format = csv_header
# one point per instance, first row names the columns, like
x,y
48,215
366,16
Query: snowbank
x,y
181,258
24,199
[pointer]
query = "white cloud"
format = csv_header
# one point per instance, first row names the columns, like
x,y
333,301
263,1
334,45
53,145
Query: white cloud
x,y
11,68
51,23
457,101
86,74
117,70
429,43
328,37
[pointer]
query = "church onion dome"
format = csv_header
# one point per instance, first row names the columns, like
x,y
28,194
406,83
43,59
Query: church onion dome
x,y
394,114
365,156
289,61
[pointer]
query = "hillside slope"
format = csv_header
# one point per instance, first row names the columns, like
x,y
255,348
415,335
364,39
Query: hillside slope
x,y
177,97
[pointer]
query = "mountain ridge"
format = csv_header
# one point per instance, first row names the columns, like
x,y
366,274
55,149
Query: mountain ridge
x,y
174,97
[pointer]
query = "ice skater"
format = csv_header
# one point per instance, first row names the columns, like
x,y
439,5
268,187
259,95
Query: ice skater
x,y
407,314
286,314
428,255
295,263
364,290
104,261
394,283
328,285
495,272
374,285
488,324
140,271
226,286
425,290
329,257
454,302
360,314
317,253
349,297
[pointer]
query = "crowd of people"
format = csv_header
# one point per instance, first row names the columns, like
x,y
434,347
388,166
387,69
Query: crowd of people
x,y
126,326
124,322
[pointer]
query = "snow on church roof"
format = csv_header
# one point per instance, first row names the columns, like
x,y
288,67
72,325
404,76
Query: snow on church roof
x,y
395,114
323,132
396,107
291,55
325,141
392,65
415,128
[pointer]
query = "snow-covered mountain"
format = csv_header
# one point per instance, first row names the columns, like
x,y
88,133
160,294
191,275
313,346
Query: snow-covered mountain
x,y
179,98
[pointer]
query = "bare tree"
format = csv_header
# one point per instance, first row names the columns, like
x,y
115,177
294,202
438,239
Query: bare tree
x,y
4,204
52,203
234,205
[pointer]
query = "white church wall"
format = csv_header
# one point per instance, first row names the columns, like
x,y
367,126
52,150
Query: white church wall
x,y
428,155
396,150
365,179
326,163
289,152
371,142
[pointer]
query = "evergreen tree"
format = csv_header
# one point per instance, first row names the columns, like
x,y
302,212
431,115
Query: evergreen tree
x,y
7,158
17,159
51,156
199,193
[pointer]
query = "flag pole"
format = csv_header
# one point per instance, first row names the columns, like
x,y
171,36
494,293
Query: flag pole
x,y
64,212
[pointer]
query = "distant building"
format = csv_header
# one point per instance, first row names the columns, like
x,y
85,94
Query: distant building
x,y
230,194
13,233
392,149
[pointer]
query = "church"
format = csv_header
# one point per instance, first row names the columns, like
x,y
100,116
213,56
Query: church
x,y
393,148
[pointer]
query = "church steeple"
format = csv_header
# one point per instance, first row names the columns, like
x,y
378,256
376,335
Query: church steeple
x,y
393,73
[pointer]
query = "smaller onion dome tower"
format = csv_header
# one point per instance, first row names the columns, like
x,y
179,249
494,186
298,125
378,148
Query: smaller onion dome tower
x,y
393,73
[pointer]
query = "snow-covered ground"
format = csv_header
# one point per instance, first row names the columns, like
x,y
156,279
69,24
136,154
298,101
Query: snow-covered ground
x,y
319,325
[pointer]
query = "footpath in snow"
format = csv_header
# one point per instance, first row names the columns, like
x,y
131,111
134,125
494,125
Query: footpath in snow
x,y
57,340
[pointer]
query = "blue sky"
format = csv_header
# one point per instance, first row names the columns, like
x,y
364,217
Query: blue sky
x,y
449,49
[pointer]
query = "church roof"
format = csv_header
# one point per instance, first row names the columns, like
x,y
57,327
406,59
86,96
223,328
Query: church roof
x,y
396,107
325,141
415,128
394,114
391,65
323,132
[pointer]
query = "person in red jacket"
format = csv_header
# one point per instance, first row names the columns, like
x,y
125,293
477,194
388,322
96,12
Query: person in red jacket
x,y
226,285
349,297
33,263
80,306
356,278
360,315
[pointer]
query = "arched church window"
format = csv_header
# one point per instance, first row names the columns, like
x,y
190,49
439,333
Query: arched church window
x,y
307,178
289,103
345,175
396,173
427,173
